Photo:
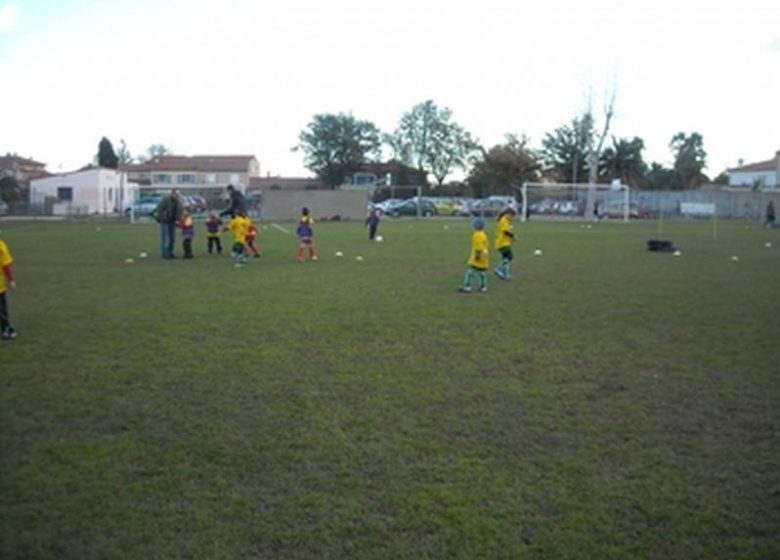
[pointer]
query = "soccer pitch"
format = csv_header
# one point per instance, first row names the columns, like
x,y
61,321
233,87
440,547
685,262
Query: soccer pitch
x,y
608,402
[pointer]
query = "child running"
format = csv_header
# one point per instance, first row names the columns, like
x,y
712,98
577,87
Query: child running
x,y
187,232
478,259
504,239
213,225
251,235
305,234
239,225
6,263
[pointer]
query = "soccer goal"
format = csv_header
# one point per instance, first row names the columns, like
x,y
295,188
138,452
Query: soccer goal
x,y
582,201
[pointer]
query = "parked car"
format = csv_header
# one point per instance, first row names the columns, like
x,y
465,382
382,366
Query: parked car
x,y
546,206
195,203
144,205
387,206
409,208
445,206
491,206
617,210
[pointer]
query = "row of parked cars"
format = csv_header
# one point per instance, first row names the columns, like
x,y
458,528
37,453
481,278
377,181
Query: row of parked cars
x,y
146,204
444,206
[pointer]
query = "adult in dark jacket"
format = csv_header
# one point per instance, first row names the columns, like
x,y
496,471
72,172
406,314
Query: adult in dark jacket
x,y
167,214
237,203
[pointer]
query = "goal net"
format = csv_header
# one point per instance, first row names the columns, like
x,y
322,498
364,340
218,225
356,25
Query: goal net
x,y
581,201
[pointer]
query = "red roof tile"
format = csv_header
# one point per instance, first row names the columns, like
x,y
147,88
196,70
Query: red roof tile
x,y
234,163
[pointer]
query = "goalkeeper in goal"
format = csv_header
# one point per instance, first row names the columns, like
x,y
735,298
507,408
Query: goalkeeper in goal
x,y
504,239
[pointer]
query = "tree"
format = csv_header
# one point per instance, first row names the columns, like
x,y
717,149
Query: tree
x,y
11,190
338,145
689,159
155,150
123,155
661,178
623,160
106,156
504,168
563,152
428,139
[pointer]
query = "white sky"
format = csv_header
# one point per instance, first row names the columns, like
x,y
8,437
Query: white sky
x,y
245,77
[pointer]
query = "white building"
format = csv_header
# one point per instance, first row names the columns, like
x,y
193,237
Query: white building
x,y
763,175
91,191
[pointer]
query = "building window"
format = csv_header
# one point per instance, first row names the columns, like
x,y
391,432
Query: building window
x,y
211,178
64,193
186,178
110,194
234,177
161,178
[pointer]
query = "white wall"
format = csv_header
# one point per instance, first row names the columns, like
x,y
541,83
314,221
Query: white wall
x,y
95,191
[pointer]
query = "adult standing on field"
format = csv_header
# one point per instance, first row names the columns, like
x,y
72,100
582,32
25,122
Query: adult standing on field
x,y
237,203
770,215
167,215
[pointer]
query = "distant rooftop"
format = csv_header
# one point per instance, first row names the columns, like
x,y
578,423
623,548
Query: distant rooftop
x,y
235,163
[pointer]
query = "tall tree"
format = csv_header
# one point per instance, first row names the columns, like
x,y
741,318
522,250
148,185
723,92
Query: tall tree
x,y
336,145
595,143
504,167
563,152
623,160
123,154
428,139
106,156
689,159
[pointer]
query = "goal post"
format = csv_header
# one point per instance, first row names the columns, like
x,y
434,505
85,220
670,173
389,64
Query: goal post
x,y
570,201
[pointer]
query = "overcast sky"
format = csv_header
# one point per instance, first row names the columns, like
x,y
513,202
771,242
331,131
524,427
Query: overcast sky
x,y
233,77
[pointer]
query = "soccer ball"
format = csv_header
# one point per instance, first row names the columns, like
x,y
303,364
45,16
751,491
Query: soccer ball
x,y
339,254
768,244
538,252
734,258
358,258
142,255
129,260
379,239
677,253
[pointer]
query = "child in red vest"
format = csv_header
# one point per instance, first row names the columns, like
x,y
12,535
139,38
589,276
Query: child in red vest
x,y
251,235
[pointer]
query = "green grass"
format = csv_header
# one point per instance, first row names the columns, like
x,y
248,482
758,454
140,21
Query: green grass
x,y
607,403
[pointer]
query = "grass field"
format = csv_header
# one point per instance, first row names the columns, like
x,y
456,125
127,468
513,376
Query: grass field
x,y
607,403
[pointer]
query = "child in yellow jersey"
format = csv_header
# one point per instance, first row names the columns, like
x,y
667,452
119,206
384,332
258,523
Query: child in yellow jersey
x,y
478,258
239,226
6,264
504,239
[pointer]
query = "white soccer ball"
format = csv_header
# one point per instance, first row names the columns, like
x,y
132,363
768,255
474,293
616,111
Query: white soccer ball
x,y
379,239
358,258
677,253
538,252
734,258
142,255
768,244
339,254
